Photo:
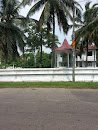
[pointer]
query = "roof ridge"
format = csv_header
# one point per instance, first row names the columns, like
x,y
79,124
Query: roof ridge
x,y
64,46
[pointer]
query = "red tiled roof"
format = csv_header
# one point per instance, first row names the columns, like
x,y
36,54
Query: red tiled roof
x,y
91,47
65,46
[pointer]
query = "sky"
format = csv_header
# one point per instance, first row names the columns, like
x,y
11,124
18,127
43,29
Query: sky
x,y
60,34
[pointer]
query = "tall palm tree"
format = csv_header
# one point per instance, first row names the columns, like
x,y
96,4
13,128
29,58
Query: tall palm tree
x,y
53,9
11,35
88,32
93,23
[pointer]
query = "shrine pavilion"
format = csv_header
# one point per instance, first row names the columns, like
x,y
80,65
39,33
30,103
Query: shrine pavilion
x,y
64,56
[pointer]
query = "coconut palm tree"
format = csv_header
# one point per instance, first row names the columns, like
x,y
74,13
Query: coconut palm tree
x,y
88,32
93,24
11,35
53,9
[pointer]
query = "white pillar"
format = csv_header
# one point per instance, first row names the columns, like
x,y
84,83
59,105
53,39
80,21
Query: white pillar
x,y
68,59
58,59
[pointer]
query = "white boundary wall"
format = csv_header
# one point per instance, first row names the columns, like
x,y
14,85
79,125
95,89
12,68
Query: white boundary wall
x,y
48,74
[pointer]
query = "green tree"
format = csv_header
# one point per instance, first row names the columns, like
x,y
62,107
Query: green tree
x,y
52,9
49,43
11,35
27,61
88,32
46,61
50,39
36,38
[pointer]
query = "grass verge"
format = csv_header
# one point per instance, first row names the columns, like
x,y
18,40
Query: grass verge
x,y
91,85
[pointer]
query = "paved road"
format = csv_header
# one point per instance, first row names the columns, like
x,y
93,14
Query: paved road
x,y
48,109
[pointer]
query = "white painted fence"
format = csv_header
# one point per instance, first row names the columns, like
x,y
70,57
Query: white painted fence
x,y
48,74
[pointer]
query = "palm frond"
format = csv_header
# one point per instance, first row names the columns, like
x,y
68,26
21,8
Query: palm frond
x,y
90,14
11,36
77,19
78,12
77,4
94,5
44,15
36,7
87,6
63,20
25,2
67,12
93,23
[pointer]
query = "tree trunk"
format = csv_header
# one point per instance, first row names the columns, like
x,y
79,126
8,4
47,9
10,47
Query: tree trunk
x,y
6,58
94,56
53,43
5,53
34,58
87,55
41,56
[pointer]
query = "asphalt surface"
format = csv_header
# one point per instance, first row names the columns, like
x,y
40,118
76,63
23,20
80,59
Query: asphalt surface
x,y
48,109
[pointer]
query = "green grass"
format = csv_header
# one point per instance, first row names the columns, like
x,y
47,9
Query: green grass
x,y
91,85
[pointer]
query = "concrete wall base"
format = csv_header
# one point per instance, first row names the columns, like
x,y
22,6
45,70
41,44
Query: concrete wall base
x,y
48,74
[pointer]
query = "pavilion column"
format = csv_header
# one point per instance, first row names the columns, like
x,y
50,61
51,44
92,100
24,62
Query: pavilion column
x,y
68,59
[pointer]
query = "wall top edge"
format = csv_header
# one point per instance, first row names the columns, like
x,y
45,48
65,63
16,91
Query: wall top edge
x,y
48,69
60,68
